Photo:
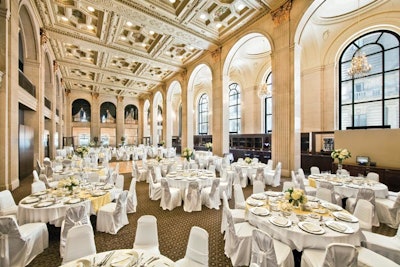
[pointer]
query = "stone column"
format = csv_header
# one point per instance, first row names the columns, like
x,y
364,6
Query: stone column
x,y
120,122
141,122
286,128
220,118
185,133
95,117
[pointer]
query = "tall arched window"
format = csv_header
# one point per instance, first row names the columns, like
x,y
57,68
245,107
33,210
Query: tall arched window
x,y
371,100
268,105
234,108
203,114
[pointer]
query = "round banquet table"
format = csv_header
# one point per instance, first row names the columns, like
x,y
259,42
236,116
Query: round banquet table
x,y
122,258
294,235
50,206
181,179
349,186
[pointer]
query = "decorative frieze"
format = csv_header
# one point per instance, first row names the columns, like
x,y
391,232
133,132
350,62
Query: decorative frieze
x,y
281,14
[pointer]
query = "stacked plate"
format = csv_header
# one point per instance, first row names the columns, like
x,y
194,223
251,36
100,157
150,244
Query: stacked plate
x,y
255,203
259,196
30,200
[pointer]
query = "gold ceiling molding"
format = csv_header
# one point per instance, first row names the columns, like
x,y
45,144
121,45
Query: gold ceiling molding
x,y
281,14
43,36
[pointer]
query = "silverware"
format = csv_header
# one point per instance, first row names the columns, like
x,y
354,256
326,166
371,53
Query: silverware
x,y
106,258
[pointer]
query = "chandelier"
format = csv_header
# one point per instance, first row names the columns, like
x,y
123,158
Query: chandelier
x,y
264,91
359,65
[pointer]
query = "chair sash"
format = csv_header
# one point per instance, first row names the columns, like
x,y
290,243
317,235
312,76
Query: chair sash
x,y
193,191
75,215
262,250
338,255
120,208
214,187
165,190
260,174
4,250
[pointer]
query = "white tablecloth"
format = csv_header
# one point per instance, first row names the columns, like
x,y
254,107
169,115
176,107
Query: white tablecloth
x,y
119,254
181,179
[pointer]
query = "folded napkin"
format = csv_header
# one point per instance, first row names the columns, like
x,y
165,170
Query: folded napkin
x,y
280,220
259,196
260,211
338,226
344,216
123,260
311,227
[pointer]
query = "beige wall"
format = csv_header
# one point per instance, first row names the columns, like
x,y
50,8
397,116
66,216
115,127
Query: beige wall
x,y
381,146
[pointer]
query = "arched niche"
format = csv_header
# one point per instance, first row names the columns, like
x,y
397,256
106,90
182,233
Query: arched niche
x,y
81,111
174,116
108,112
131,114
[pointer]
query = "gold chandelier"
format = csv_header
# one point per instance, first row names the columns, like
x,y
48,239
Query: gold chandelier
x,y
359,65
264,91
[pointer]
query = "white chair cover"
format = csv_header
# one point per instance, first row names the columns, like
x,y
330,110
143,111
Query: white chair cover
x,y
39,168
192,199
388,211
275,179
7,204
258,186
238,241
287,185
47,182
37,187
387,246
240,202
119,185
364,211
210,195
157,173
48,170
19,245
132,197
267,252
373,176
336,199
35,176
367,257
196,250
314,170
170,196
93,177
367,194
75,215
154,189
238,215
325,194
112,216
80,243
66,163
225,184
239,177
301,181
335,255
259,176
146,238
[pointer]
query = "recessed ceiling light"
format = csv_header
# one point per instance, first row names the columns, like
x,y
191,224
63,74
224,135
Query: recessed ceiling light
x,y
172,1
143,44
64,18
151,32
167,53
90,8
191,48
203,16
90,27
241,6
219,25
129,24
123,38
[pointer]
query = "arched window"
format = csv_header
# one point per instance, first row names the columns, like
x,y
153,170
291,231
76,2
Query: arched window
x,y
203,114
372,99
234,108
268,105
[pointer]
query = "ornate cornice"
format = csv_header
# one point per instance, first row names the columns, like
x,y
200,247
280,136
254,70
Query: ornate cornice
x,y
5,13
281,14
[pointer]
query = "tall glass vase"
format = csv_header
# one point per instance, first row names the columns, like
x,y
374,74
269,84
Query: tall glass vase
x,y
339,168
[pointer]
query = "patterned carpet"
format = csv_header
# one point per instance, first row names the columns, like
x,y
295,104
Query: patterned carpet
x,y
173,228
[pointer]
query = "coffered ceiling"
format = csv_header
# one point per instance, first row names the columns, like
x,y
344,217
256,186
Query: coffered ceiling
x,y
129,47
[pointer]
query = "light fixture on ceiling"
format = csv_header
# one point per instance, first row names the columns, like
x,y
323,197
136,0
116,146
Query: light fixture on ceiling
x,y
359,66
264,91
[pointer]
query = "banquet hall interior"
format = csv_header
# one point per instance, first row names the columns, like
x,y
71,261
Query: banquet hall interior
x,y
157,98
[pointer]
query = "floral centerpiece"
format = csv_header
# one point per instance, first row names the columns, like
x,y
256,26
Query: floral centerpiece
x,y
341,154
162,143
68,183
159,158
208,146
248,160
295,196
81,151
187,153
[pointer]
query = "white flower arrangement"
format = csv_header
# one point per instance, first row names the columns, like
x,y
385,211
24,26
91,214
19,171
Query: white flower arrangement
x,y
208,146
69,183
295,196
187,153
81,151
248,160
340,154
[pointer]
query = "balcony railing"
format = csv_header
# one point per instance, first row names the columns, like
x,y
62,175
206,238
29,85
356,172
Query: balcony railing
x,y
25,83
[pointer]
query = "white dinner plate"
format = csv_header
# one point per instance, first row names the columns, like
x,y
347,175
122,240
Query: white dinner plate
x,y
30,200
259,211
312,199
343,216
273,193
44,204
83,263
40,193
73,201
331,206
311,228
339,227
259,196
280,221
255,203
98,193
